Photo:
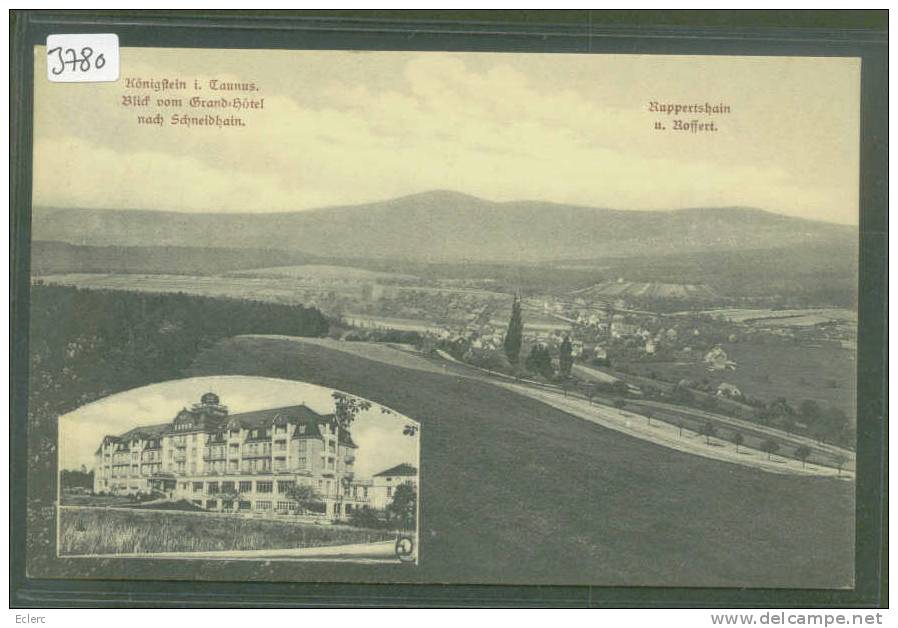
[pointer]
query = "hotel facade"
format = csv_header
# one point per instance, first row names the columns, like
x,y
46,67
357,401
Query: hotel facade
x,y
246,462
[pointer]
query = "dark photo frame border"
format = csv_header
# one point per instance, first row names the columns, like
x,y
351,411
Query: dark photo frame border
x,y
861,34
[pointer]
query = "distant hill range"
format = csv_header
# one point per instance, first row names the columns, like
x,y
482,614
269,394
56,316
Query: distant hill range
x,y
445,227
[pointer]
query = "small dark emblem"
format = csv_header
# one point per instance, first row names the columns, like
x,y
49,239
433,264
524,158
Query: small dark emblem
x,y
405,548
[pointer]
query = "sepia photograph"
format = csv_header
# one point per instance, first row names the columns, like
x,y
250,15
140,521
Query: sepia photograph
x,y
446,317
277,482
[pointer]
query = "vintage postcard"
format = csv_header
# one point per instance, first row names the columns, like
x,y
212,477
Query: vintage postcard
x,y
286,478
484,318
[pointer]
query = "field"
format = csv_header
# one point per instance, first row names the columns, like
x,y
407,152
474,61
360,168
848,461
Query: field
x,y
387,322
519,492
824,373
785,318
647,290
323,271
102,531
273,289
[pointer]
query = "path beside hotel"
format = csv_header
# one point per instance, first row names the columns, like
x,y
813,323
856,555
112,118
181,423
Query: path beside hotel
x,y
383,551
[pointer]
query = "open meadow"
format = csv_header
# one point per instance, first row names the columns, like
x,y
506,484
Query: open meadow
x,y
824,373
90,531
323,272
269,288
520,492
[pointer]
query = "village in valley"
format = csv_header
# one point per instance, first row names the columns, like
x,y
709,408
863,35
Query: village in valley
x,y
730,353
764,360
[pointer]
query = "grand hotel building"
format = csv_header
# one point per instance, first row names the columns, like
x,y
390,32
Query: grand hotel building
x,y
241,462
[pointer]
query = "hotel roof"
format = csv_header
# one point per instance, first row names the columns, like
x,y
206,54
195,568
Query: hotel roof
x,y
403,469
301,415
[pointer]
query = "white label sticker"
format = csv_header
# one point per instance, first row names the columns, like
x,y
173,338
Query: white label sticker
x,y
82,58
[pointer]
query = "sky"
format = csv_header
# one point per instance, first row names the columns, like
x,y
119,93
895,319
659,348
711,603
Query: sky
x,y
344,127
379,436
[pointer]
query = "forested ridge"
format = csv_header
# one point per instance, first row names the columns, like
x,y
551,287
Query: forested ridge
x,y
86,344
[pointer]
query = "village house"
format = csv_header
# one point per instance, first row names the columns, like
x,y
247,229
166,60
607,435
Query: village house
x,y
717,360
382,486
619,328
729,391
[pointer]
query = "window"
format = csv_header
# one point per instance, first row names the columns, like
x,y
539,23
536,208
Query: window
x,y
227,504
263,487
211,503
197,487
244,505
286,506
246,486
212,488
263,505
285,485
227,487
389,491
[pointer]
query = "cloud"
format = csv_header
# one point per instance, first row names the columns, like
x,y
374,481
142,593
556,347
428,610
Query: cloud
x,y
342,128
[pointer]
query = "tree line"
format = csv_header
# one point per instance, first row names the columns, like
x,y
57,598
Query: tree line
x,y
86,344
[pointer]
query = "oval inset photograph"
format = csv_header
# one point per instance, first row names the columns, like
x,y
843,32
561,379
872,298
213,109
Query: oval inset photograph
x,y
236,468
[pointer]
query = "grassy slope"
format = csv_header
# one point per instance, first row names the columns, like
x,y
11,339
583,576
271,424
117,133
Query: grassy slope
x,y
516,492
115,532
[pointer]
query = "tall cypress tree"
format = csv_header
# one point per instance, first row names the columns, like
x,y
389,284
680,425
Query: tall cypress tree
x,y
514,335
565,357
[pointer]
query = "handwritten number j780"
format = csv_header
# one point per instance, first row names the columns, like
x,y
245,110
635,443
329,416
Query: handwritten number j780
x,y
69,57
